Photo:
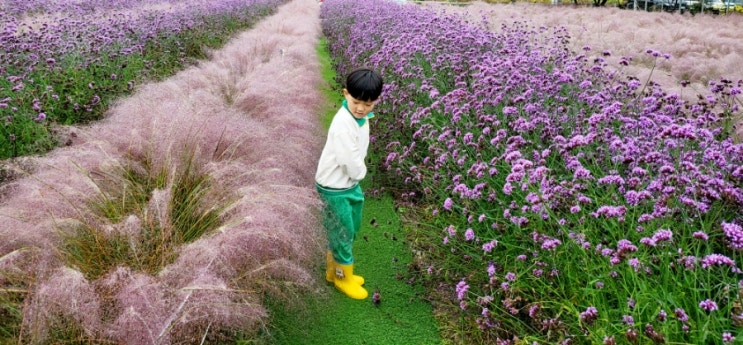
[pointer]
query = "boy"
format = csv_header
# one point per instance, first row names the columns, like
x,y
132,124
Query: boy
x,y
339,171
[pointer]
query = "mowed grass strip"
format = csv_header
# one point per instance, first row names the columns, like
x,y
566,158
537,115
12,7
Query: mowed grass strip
x,y
382,256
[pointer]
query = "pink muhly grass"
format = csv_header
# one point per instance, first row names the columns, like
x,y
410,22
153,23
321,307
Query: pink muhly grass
x,y
248,116
65,296
702,47
138,300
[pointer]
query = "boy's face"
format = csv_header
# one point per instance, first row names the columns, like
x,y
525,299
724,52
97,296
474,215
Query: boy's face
x,y
359,109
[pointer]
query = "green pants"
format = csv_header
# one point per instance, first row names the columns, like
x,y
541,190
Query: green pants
x,y
342,219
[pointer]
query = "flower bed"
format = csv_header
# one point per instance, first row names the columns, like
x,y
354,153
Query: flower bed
x,y
568,202
63,62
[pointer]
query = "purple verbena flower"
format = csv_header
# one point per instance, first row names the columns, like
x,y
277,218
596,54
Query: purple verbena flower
x,y
589,315
734,235
488,247
727,337
701,235
662,316
448,203
491,269
717,260
462,289
708,305
469,234
628,320
551,244
681,315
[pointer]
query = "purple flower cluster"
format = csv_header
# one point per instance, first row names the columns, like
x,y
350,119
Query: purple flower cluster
x,y
660,236
734,235
708,305
489,246
681,315
717,260
462,289
589,315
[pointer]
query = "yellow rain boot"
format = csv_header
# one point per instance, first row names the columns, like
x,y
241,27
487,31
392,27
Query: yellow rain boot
x,y
344,282
330,270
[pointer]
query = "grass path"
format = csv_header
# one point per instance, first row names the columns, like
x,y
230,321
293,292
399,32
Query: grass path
x,y
331,318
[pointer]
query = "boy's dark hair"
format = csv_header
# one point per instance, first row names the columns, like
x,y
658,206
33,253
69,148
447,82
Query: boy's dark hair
x,y
364,84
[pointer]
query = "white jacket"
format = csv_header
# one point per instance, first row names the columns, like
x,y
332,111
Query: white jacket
x,y
341,164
